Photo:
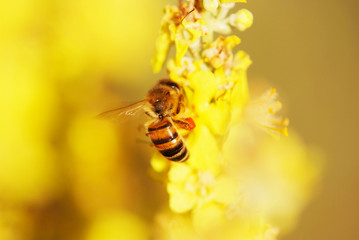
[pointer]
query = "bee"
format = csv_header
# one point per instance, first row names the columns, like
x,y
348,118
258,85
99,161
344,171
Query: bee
x,y
165,106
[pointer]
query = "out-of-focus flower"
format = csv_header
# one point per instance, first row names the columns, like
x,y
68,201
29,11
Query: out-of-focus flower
x,y
117,225
59,168
277,177
262,113
235,175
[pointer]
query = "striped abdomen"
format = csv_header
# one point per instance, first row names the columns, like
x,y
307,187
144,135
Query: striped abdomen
x,y
168,142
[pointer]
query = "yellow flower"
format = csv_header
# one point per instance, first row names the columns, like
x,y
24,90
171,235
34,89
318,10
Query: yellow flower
x,y
212,187
262,112
162,45
242,19
210,5
219,53
190,183
182,26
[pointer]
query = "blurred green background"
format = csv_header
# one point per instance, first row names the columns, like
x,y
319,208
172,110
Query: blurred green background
x,y
62,61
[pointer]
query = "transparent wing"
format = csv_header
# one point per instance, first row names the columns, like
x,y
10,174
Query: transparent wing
x,y
123,113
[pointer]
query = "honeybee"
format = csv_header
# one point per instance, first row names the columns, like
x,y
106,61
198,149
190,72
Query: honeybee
x,y
165,106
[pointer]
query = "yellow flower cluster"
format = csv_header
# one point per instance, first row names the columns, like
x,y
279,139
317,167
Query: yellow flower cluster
x,y
66,175
209,193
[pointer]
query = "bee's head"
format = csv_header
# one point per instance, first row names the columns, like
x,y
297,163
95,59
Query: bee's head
x,y
158,99
158,106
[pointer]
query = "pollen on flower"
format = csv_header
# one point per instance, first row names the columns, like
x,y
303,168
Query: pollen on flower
x,y
219,53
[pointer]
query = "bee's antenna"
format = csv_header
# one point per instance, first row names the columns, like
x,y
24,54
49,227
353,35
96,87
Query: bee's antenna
x,y
187,15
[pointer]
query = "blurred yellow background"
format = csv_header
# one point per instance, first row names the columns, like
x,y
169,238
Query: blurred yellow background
x,y
63,61
309,51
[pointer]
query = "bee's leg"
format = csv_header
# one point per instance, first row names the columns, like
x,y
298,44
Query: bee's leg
x,y
185,123
145,141
151,114
146,125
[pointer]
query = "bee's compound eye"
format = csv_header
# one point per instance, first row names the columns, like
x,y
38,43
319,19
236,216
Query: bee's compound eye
x,y
172,84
